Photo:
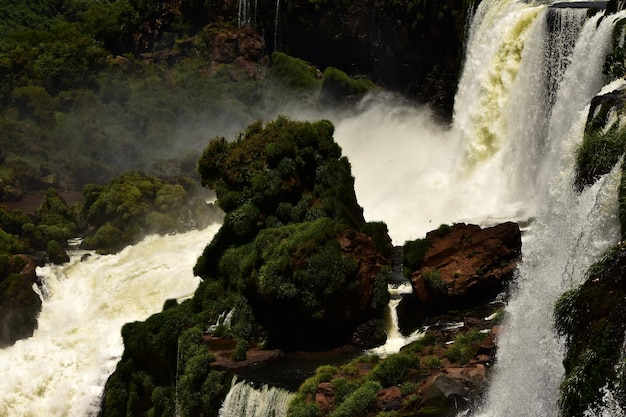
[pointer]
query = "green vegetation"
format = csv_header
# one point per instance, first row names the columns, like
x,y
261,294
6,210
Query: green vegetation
x,y
359,401
590,318
337,86
465,347
351,396
277,262
431,362
293,73
284,173
433,280
241,349
390,370
443,230
599,152
413,253
149,367
130,207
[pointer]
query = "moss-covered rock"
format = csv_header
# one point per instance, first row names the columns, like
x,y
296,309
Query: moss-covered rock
x,y
134,205
591,319
338,87
19,304
289,264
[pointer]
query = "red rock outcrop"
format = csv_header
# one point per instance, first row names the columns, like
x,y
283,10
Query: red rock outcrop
x,y
466,265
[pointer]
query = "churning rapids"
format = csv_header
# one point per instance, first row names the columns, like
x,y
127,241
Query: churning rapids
x,y
530,73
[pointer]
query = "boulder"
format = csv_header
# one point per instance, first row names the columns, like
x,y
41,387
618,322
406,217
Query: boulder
x,y
466,265
19,303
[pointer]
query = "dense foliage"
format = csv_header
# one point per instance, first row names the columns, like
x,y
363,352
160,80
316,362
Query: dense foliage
x,y
590,318
132,206
286,172
356,385
277,265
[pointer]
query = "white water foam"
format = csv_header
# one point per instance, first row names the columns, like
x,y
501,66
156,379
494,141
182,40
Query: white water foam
x,y
245,400
62,369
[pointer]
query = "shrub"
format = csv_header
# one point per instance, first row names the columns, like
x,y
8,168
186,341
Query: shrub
x,y
443,230
292,73
597,154
56,254
413,254
465,347
343,387
380,289
240,351
336,85
434,282
408,387
431,362
390,370
358,402
380,233
565,312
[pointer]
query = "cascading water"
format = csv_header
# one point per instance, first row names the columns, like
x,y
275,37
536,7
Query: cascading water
x,y
508,156
62,369
395,339
246,13
276,25
245,400
530,73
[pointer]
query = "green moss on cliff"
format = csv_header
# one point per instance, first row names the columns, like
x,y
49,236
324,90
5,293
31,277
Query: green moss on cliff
x,y
285,263
591,320
130,207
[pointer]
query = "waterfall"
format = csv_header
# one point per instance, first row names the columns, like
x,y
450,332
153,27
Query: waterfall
x,y
246,13
244,400
62,369
529,74
276,27
395,339
569,232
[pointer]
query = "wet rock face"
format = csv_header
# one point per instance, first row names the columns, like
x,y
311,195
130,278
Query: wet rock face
x,y
591,318
466,265
412,47
19,304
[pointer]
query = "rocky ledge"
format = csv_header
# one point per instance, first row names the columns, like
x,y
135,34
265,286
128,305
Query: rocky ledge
x,y
446,370
465,265
19,303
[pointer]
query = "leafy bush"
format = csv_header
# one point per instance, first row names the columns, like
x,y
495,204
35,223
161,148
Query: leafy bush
x,y
390,370
443,230
343,387
380,233
292,73
131,206
408,387
413,254
56,254
433,280
465,347
337,85
359,401
564,312
431,362
597,154
241,349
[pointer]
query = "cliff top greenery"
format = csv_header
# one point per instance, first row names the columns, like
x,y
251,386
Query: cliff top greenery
x,y
277,264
